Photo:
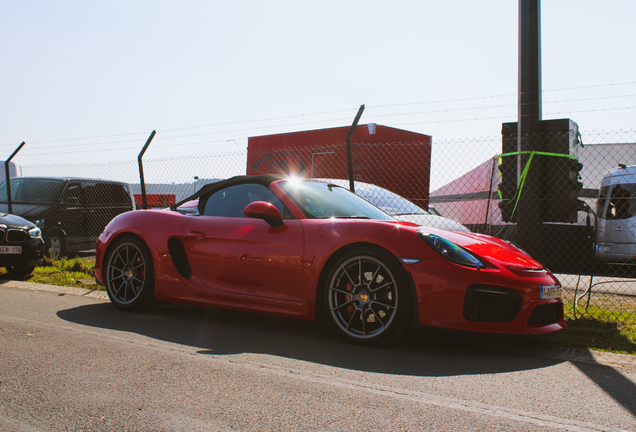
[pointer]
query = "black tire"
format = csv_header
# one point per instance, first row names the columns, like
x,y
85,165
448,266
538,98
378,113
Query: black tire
x,y
55,246
373,312
20,272
129,274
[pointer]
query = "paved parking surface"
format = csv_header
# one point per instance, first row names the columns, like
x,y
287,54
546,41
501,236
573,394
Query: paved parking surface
x,y
71,362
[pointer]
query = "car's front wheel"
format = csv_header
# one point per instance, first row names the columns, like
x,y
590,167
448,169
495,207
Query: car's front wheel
x,y
367,297
129,274
20,271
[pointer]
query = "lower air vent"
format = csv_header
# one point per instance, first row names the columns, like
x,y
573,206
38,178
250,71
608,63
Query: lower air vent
x,y
546,314
179,257
491,304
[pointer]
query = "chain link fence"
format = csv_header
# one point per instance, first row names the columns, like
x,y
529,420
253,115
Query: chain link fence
x,y
545,199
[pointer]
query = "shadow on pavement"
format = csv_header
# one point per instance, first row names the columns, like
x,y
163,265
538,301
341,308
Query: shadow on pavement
x,y
219,332
615,384
427,352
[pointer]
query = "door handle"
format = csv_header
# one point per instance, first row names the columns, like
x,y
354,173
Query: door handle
x,y
197,235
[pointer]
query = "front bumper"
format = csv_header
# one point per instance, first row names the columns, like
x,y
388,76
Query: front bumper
x,y
32,253
490,301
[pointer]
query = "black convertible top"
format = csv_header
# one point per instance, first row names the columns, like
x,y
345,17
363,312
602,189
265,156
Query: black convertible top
x,y
265,180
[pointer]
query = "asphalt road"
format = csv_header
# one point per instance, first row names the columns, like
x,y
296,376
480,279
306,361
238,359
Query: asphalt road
x,y
77,363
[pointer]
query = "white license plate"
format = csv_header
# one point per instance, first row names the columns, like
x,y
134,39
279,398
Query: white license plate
x,y
604,248
10,249
548,292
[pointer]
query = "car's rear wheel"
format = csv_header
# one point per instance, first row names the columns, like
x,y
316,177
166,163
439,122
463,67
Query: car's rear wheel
x,y
129,274
368,298
55,245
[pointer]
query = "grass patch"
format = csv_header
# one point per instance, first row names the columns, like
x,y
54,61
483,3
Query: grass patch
x,y
609,334
71,272
608,324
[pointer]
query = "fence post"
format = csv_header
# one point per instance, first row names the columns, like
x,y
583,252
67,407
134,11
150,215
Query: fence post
x,y
349,155
141,170
529,220
492,178
8,177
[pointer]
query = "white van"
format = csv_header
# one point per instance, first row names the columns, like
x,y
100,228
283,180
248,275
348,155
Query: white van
x,y
616,212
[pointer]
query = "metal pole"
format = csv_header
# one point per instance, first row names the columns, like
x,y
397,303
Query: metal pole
x,y
8,177
349,155
141,170
529,219
529,99
492,177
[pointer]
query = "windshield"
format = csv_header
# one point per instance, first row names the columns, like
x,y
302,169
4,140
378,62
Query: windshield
x,y
620,203
32,191
388,201
320,201
384,199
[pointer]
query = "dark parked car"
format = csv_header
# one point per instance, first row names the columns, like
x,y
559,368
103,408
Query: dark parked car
x,y
71,212
21,245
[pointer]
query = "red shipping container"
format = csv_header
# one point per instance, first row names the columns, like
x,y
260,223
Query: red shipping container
x,y
156,200
395,159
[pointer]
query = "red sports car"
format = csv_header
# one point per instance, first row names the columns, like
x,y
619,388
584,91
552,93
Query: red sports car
x,y
307,249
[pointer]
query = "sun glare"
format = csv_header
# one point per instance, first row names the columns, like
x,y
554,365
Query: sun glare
x,y
294,181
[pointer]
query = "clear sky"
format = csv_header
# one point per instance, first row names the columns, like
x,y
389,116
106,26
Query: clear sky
x,y
208,74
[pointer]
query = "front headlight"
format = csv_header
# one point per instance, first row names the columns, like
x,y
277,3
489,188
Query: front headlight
x,y
451,251
35,233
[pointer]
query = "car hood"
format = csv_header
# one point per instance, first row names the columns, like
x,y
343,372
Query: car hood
x,y
13,221
492,249
429,220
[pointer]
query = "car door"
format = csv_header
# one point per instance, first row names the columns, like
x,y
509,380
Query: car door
x,y
617,220
98,198
232,253
71,215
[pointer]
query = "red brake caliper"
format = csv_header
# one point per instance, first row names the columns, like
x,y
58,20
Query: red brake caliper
x,y
350,308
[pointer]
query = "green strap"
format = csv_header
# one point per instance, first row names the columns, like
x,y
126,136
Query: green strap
x,y
539,153
524,174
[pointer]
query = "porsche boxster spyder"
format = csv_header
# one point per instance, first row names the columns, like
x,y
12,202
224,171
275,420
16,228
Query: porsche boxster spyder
x,y
309,249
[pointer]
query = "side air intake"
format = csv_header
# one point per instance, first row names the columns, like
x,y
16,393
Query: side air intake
x,y
179,258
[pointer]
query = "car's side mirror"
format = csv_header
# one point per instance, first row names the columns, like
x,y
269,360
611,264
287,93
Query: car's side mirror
x,y
264,210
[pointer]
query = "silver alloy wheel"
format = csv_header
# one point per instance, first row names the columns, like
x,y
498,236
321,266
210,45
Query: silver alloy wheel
x,y
55,247
363,297
126,273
